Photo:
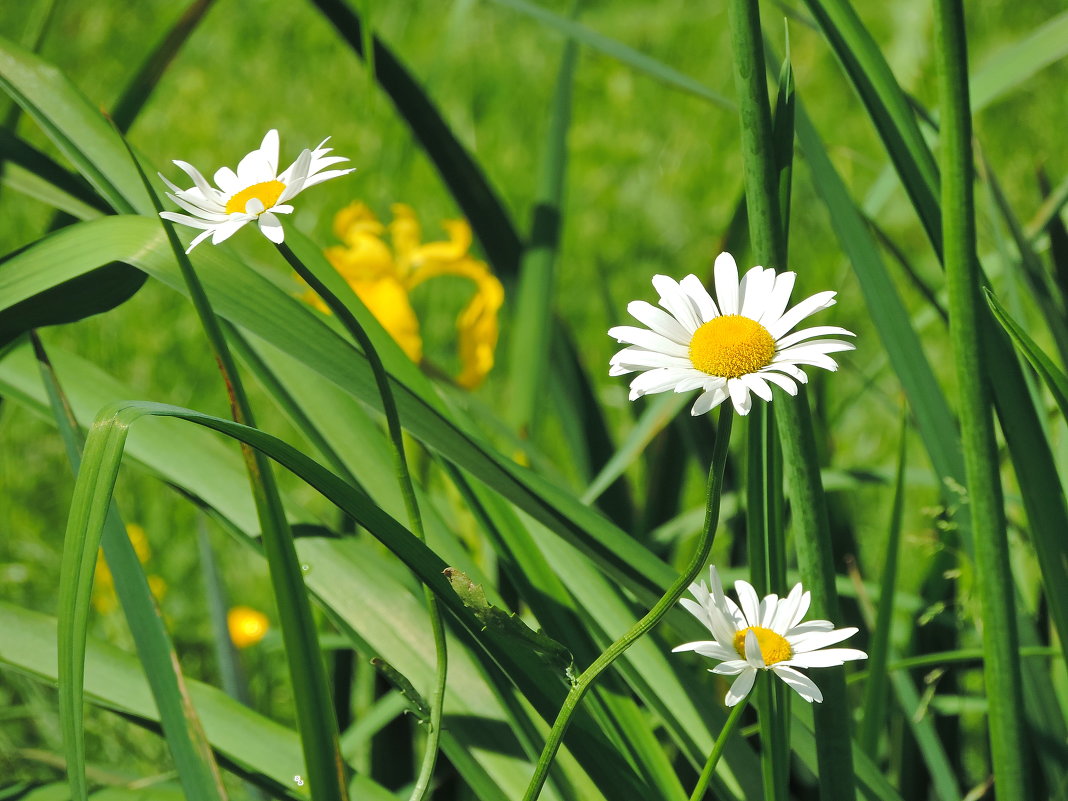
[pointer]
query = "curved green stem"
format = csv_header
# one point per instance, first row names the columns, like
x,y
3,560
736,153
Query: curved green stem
x,y
642,627
411,504
717,748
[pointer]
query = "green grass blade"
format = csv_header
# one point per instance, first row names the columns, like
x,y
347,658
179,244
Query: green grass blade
x,y
251,301
95,485
1012,66
934,420
192,756
887,105
873,722
144,81
531,331
75,126
115,680
15,151
1052,553
619,51
792,416
996,590
479,202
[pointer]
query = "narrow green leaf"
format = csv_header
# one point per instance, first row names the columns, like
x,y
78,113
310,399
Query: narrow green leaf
x,y
151,70
1012,66
193,760
531,330
617,50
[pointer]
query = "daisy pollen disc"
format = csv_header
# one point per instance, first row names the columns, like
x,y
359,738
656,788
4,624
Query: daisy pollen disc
x,y
267,192
773,646
731,346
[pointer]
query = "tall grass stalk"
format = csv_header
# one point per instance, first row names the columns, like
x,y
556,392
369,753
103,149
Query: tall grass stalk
x,y
411,504
766,231
709,769
643,626
996,590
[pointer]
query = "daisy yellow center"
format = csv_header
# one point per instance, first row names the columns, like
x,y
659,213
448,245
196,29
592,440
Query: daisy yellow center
x,y
731,346
267,193
773,646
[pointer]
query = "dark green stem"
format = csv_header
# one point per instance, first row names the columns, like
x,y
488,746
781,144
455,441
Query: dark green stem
x,y
996,590
717,749
411,503
642,627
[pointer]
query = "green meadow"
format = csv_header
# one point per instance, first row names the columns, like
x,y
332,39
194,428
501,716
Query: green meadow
x,y
356,498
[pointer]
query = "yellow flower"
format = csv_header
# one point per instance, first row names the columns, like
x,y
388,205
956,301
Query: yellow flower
x,y
247,626
383,278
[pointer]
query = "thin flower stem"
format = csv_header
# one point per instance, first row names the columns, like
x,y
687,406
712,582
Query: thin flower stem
x,y
315,713
717,749
411,503
800,459
996,591
642,627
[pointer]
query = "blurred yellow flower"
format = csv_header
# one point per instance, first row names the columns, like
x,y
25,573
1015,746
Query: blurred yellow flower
x,y
383,277
104,598
247,626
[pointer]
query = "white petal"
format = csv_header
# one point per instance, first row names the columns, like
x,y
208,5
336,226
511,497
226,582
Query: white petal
x,y
806,308
314,179
676,301
780,381
255,167
225,230
271,227
808,333
692,382
254,206
784,614
739,396
741,687
822,346
815,640
754,292
791,370
269,149
660,379
699,296
768,605
757,384
810,358
802,684
649,340
707,401
198,179
296,175
697,610
227,180
808,627
828,657
731,668
197,240
636,358
748,600
713,650
659,321
753,655
184,219
726,272
779,298
721,612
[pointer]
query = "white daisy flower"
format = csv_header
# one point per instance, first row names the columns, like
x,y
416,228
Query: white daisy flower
x,y
254,192
743,345
764,635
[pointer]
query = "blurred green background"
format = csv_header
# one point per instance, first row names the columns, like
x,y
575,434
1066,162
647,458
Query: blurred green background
x,y
653,182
